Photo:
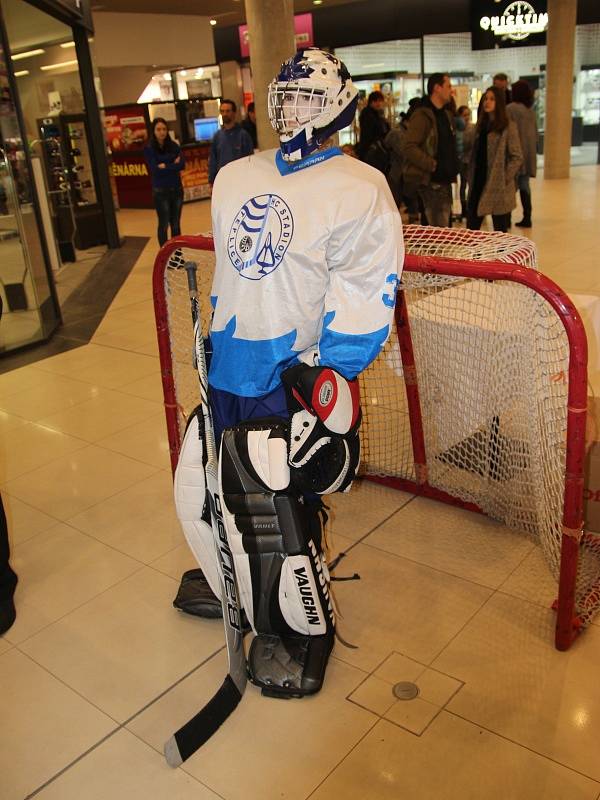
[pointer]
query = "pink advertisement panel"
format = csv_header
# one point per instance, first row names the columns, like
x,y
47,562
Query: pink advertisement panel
x,y
303,28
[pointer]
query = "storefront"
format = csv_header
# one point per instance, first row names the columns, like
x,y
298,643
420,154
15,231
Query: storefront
x,y
55,196
400,68
188,100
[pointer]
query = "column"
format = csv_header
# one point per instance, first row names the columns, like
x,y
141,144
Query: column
x,y
560,59
97,144
231,83
272,41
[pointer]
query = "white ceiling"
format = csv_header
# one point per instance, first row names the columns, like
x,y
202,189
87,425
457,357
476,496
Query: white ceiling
x,y
27,26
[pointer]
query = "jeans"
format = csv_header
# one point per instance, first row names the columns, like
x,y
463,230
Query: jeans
x,y
501,221
168,204
525,195
437,203
464,170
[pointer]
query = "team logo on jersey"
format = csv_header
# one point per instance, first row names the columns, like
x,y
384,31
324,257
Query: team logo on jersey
x,y
260,234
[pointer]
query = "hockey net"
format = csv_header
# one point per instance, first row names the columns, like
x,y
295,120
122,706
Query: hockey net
x,y
478,398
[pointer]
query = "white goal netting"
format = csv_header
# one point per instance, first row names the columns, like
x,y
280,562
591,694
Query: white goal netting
x,y
469,396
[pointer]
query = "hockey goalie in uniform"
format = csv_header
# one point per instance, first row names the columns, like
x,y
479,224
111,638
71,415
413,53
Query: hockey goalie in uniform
x,y
309,252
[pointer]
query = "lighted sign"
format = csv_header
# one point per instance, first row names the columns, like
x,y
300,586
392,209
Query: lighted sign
x,y
508,23
518,21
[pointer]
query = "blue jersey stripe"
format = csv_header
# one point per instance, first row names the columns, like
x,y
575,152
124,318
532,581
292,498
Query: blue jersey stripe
x,y
249,367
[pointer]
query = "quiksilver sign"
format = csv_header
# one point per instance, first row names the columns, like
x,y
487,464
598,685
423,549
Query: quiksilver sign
x,y
518,21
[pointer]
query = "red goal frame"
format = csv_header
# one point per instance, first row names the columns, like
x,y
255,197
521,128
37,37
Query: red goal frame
x,y
567,623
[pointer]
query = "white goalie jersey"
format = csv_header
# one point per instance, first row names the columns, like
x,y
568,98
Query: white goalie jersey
x,y
308,259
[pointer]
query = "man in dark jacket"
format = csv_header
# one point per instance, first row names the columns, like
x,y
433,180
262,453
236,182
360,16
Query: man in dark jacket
x,y
429,148
500,81
373,125
249,124
228,144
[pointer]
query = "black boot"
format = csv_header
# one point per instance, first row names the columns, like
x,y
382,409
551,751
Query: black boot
x,y
526,203
7,614
7,603
196,597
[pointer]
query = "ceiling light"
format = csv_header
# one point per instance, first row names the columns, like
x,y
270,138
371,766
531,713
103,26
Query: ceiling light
x,y
379,64
213,22
183,73
28,54
199,72
21,73
317,2
58,66
167,76
67,44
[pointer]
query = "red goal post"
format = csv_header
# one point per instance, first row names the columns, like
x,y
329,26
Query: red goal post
x,y
478,399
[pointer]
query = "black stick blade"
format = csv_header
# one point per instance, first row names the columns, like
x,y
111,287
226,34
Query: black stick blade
x,y
201,727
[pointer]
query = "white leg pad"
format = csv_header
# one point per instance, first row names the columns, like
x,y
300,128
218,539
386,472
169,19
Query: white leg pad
x,y
190,498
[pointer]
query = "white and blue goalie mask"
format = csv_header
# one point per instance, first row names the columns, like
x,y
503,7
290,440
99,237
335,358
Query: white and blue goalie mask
x,y
310,99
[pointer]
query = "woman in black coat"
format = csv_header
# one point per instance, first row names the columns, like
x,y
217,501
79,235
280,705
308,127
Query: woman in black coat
x,y
373,125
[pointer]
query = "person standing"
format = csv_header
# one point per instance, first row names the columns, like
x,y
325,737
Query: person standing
x,y
393,143
8,579
165,161
249,124
431,161
228,144
520,111
500,81
372,123
309,253
495,162
467,129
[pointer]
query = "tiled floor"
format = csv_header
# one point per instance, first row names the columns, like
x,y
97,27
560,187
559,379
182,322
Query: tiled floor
x,y
99,669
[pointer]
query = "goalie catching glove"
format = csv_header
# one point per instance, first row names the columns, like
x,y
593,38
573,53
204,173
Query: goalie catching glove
x,y
324,446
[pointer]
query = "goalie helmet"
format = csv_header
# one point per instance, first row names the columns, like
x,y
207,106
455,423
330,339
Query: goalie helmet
x,y
310,99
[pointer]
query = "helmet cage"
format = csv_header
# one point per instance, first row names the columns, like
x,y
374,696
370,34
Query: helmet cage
x,y
292,106
311,98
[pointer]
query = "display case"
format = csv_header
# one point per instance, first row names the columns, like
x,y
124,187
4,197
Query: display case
x,y
71,184
191,123
588,100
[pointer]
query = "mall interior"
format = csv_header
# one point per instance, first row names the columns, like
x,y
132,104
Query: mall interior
x,y
99,668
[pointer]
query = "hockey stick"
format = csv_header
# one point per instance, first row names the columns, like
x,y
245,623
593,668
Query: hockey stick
x,y
201,727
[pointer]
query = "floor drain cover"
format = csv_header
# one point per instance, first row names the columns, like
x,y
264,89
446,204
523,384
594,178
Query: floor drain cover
x,y
405,690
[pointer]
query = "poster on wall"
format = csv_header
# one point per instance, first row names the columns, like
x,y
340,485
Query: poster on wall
x,y
508,23
194,177
125,128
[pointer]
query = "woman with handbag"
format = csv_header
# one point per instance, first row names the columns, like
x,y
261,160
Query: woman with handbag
x,y
495,162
